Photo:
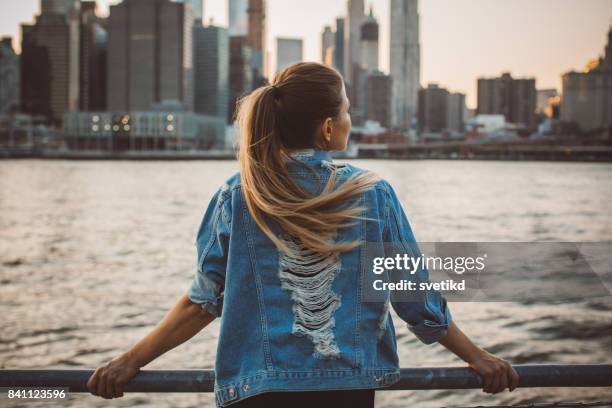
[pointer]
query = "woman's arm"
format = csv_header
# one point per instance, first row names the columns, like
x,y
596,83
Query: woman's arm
x,y
497,374
182,322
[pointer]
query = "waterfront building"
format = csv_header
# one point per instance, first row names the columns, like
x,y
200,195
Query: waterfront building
x,y
405,61
515,98
167,127
587,96
149,62
50,60
378,98
9,77
92,59
211,70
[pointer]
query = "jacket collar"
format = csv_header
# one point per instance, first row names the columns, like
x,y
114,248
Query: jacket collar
x,y
311,155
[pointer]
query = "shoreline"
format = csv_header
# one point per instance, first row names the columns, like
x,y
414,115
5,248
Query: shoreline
x,y
543,153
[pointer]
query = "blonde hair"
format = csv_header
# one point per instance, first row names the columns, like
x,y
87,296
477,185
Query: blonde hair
x,y
274,120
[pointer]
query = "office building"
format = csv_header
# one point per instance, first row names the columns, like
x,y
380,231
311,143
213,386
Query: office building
x,y
327,45
433,109
149,62
257,40
197,10
515,98
288,51
9,77
166,127
240,72
441,111
456,112
50,61
92,59
352,37
586,97
339,46
369,44
405,61
378,98
238,14
211,69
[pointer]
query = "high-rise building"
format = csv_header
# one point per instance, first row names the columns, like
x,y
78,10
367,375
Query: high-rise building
x,y
328,40
257,40
515,98
339,46
368,64
197,9
9,77
211,69
433,109
405,61
92,59
57,6
149,62
50,61
238,12
587,96
456,112
378,98
288,51
240,72
247,18
352,37
369,43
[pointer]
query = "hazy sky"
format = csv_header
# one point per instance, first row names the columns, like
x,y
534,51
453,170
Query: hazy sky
x,y
460,39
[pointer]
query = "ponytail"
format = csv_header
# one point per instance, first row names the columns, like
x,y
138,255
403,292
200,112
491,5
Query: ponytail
x,y
278,118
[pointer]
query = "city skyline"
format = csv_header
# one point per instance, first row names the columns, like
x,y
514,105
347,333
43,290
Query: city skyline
x,y
555,36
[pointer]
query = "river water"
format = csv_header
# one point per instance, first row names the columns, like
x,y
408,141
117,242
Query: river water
x,y
93,254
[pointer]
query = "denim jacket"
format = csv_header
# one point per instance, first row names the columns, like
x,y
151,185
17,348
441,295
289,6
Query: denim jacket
x,y
285,329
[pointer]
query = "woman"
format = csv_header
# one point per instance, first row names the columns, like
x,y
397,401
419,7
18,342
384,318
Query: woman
x,y
280,255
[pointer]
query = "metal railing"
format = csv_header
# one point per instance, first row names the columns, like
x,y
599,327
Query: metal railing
x,y
426,378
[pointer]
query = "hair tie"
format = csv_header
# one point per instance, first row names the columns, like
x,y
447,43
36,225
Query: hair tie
x,y
276,91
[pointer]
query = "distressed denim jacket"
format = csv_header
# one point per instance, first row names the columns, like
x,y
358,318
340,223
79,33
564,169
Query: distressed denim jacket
x,y
303,324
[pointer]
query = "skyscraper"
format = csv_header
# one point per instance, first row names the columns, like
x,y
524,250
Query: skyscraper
x,y
405,61
352,37
369,43
197,8
240,72
327,43
339,46
238,17
50,60
211,68
9,76
378,98
148,62
92,59
256,34
288,51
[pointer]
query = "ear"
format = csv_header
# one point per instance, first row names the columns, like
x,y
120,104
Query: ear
x,y
327,129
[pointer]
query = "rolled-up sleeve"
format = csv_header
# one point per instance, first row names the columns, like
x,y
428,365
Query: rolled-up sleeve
x,y
212,242
428,315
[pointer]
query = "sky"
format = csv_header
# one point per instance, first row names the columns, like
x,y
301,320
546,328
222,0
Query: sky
x,y
461,40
